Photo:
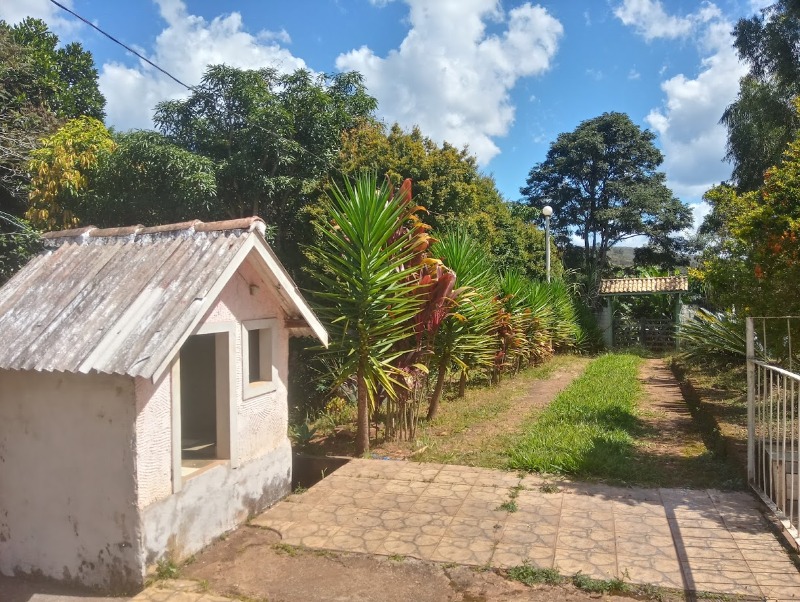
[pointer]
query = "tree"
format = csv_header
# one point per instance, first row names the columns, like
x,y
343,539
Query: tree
x,y
762,120
63,80
449,185
61,171
754,264
602,181
368,286
272,138
41,86
148,180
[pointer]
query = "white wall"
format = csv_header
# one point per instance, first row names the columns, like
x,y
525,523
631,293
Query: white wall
x,y
67,493
216,500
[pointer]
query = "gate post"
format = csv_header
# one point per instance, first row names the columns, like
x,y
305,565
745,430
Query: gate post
x,y
751,401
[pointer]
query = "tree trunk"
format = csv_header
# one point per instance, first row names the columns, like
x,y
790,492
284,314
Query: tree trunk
x,y
462,384
433,408
362,428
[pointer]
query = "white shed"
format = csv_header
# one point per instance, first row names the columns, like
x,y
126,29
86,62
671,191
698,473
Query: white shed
x,y
143,408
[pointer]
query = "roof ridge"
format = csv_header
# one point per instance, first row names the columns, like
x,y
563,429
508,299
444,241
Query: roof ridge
x,y
192,226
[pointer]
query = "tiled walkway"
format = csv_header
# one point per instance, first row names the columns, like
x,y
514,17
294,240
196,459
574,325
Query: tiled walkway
x,y
696,540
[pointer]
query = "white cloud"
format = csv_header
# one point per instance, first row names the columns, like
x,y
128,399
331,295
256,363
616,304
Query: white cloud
x,y
692,139
651,21
184,48
455,81
59,21
634,74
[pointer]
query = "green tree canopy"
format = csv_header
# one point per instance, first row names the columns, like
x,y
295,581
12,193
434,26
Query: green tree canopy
x,y
272,139
147,180
61,79
448,183
41,86
603,183
762,121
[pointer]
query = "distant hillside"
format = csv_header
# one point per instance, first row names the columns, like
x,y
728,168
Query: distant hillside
x,y
621,257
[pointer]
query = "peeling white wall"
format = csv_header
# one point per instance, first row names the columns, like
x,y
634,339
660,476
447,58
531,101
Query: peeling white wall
x,y
216,500
67,491
213,503
153,440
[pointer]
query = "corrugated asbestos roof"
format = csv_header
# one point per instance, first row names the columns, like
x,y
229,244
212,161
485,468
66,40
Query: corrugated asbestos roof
x,y
121,300
660,284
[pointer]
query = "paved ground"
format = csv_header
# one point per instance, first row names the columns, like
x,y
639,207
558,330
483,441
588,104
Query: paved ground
x,y
696,540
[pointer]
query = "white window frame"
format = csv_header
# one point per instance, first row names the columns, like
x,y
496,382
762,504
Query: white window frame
x,y
227,410
267,344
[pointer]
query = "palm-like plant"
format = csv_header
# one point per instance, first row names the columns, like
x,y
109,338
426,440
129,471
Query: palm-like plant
x,y
368,290
465,338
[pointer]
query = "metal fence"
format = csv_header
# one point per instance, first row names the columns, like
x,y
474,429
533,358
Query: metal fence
x,y
653,334
773,417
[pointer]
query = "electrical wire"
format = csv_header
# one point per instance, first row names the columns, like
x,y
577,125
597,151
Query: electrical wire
x,y
276,136
116,41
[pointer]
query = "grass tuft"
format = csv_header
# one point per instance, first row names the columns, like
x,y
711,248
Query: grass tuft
x,y
599,586
531,575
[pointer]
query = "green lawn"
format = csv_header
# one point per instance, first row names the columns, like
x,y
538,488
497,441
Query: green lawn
x,y
590,428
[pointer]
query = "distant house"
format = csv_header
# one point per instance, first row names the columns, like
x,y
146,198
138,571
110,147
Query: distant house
x,y
143,401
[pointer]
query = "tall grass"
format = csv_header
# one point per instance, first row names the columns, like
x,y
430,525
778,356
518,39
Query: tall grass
x,y
589,428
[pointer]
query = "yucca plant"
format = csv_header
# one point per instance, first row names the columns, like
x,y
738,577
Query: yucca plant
x,y
367,291
465,339
712,334
515,343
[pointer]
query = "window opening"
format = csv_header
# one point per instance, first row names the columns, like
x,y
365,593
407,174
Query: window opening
x,y
198,381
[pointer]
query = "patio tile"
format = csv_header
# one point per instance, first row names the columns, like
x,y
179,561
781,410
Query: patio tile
x,y
598,540
488,494
642,525
587,520
409,544
530,534
705,552
497,480
463,550
594,564
647,546
475,528
457,475
509,554
660,570
410,522
479,509
388,501
789,578
448,490
313,536
427,504
351,539
783,566
406,487
780,592
702,578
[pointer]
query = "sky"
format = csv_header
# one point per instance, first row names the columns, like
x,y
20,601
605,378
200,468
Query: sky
x,y
501,76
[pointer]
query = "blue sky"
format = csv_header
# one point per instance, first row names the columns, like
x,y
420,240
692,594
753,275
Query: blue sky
x,y
505,77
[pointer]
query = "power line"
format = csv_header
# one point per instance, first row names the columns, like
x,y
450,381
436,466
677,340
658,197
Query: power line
x,y
116,41
175,79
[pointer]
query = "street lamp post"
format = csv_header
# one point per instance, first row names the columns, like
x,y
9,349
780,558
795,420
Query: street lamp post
x,y
547,211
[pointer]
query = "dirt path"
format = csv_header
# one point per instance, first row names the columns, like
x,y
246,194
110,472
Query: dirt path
x,y
251,564
673,443
541,393
484,440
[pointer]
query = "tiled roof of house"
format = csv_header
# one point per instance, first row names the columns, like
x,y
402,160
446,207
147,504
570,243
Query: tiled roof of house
x,y
633,286
122,300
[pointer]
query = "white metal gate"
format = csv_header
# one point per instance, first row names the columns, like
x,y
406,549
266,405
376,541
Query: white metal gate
x,y
773,417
